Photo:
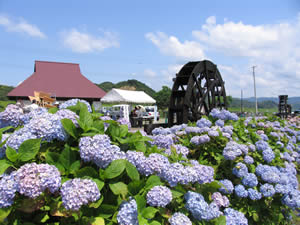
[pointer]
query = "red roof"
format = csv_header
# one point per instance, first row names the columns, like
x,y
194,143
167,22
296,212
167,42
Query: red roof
x,y
61,79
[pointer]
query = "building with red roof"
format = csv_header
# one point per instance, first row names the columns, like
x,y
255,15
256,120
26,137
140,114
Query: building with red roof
x,y
63,80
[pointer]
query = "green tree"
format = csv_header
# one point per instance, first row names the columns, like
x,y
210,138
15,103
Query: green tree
x,y
163,97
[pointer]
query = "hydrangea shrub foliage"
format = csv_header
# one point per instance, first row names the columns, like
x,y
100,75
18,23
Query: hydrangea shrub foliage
x,y
73,166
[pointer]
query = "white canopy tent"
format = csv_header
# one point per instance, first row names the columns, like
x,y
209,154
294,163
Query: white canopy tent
x,y
125,96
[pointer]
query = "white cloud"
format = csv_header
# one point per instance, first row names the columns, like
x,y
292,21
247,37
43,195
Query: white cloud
x,y
149,73
170,45
83,42
273,48
21,27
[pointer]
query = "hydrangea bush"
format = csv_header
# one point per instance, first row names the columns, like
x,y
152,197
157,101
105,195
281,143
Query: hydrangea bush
x,y
72,166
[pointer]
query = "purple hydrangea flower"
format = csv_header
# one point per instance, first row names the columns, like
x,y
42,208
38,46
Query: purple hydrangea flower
x,y
232,150
78,192
292,199
159,196
220,200
220,123
35,178
32,114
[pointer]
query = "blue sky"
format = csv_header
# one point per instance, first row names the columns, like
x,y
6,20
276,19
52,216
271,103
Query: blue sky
x,y
151,40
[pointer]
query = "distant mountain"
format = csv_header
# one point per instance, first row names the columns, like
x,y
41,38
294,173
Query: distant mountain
x,y
3,92
265,102
129,85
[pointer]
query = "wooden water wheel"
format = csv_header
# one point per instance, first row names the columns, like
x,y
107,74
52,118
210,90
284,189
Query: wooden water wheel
x,y
197,89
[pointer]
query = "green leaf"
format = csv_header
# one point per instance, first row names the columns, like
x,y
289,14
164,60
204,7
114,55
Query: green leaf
x,y
28,149
67,157
11,154
69,127
123,130
85,117
52,110
99,125
119,188
132,171
152,181
98,221
176,194
149,212
100,183
154,223
219,221
87,172
135,186
52,157
4,164
255,217
115,168
142,220
97,203
4,212
41,218
75,166
141,202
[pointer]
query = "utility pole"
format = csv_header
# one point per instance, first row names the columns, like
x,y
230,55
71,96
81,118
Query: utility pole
x,y
253,67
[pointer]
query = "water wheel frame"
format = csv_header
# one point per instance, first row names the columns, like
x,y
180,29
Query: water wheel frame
x,y
197,89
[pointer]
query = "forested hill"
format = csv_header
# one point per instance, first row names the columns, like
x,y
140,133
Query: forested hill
x,y
3,92
128,85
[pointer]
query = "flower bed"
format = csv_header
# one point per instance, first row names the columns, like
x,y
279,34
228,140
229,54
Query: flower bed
x,y
70,166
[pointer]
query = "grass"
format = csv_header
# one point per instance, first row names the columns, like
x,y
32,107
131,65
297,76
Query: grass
x,y
3,104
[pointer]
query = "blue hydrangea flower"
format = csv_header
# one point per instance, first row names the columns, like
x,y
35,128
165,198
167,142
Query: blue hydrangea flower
x,y
32,114
199,208
240,170
228,186
292,199
220,123
250,180
268,155
159,196
271,176
261,145
267,190
68,114
240,191
73,102
203,123
232,150
179,219
128,214
248,159
8,188
213,133
234,217
18,137
163,141
124,121
11,116
78,192
197,140
254,194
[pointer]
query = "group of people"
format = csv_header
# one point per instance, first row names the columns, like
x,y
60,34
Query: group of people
x,y
136,115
